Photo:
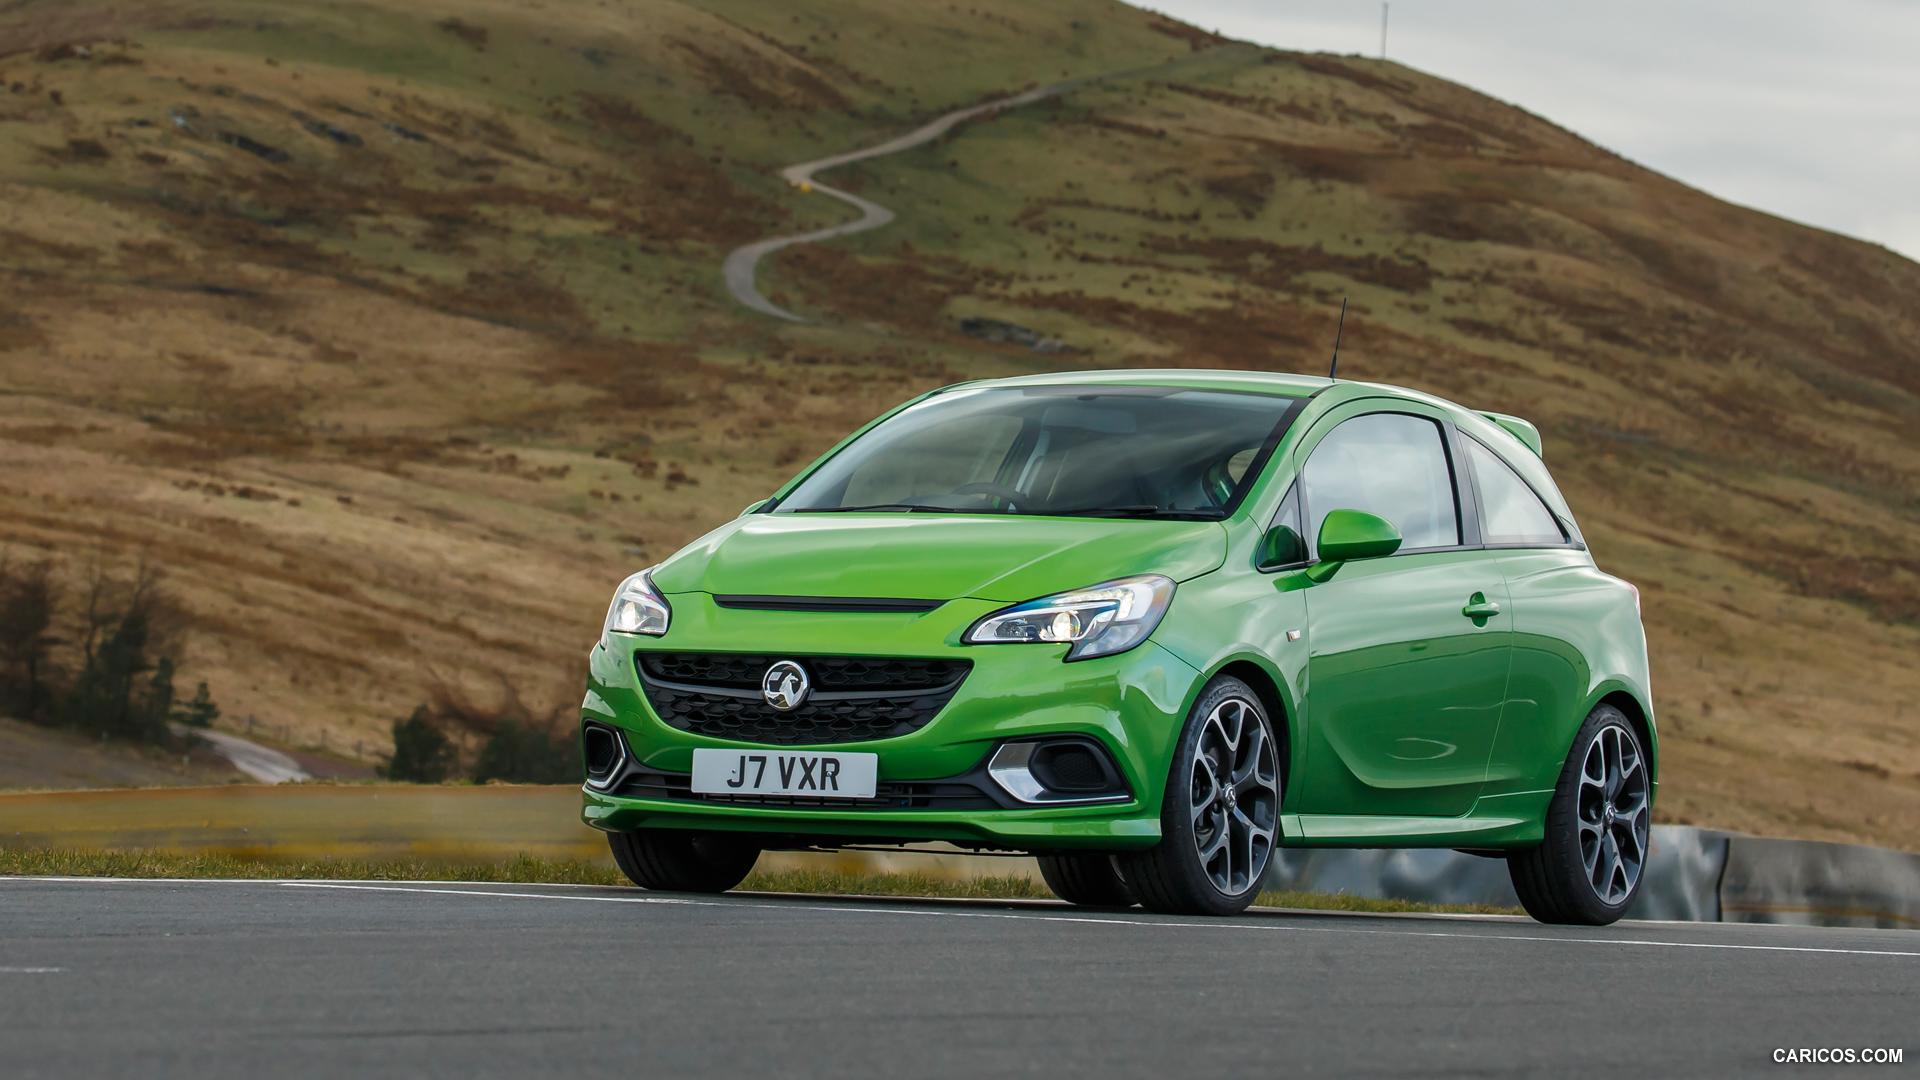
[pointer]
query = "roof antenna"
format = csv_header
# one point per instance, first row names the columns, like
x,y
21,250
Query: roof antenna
x,y
1341,329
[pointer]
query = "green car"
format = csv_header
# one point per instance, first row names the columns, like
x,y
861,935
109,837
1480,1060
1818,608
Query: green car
x,y
1147,626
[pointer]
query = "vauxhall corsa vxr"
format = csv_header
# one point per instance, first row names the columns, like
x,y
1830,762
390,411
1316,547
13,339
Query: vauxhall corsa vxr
x,y
1147,626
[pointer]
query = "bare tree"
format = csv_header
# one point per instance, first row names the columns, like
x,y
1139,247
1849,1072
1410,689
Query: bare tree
x,y
126,626
28,598
517,742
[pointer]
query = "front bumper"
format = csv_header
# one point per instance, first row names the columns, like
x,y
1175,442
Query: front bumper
x,y
1133,704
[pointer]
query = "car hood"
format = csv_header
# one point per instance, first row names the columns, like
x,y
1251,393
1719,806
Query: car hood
x,y
935,557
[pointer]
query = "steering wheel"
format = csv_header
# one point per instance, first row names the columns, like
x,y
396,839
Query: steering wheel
x,y
1012,495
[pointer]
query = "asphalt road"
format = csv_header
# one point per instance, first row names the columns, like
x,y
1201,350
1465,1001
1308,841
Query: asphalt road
x,y
102,978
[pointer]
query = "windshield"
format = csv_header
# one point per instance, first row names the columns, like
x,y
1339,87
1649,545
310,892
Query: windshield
x,y
1115,451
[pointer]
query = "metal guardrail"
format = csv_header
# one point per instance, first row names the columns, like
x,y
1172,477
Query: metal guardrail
x,y
1815,884
1682,877
1695,875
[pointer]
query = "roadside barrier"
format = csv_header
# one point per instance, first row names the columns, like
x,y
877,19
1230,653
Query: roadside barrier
x,y
1696,875
1692,874
1815,884
1684,867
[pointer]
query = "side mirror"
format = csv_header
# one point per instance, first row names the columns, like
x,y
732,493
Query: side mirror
x,y
1347,535
1282,546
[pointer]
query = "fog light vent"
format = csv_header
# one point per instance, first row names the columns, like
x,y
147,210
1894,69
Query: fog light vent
x,y
1073,767
1057,770
603,752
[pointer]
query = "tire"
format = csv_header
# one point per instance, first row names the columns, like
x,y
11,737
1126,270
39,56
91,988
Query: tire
x,y
672,860
1183,874
1589,868
1086,880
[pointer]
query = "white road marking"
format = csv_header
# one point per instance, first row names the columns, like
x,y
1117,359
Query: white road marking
x,y
30,970
1105,920
84,879
493,892
55,879
441,888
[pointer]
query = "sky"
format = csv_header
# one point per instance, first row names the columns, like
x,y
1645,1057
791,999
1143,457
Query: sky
x,y
1809,109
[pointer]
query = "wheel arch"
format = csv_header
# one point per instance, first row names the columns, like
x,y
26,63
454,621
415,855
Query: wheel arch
x,y
1629,702
1268,688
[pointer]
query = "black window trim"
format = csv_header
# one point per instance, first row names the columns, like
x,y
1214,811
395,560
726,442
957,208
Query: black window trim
x,y
1453,471
1292,493
1567,542
1466,495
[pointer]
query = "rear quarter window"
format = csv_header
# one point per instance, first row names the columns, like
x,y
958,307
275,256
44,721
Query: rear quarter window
x,y
1510,511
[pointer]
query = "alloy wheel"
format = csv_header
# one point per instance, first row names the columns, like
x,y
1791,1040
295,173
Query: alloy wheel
x,y
1236,796
1613,812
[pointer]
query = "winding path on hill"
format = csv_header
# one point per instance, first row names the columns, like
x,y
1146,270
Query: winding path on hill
x,y
743,262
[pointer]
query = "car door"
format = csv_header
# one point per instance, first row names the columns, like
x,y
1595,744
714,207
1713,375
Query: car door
x,y
1407,654
1559,600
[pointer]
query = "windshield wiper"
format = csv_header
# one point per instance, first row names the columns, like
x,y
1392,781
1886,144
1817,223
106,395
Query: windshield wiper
x,y
1140,510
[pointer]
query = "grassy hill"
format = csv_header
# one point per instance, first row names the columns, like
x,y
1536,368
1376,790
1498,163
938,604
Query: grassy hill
x,y
396,332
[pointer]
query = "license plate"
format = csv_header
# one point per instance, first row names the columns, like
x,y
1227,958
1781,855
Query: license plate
x,y
785,772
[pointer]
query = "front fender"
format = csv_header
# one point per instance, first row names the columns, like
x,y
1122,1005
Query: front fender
x,y
1237,624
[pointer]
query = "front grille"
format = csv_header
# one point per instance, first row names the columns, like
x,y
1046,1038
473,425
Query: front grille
x,y
957,793
854,698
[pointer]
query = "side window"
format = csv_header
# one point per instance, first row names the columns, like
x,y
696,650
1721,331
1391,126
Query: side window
x,y
1391,465
1284,544
1510,513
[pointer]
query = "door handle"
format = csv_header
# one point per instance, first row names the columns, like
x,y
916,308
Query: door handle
x,y
1479,607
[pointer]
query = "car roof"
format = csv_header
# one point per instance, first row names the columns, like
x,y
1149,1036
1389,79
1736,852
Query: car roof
x,y
1277,383
1280,384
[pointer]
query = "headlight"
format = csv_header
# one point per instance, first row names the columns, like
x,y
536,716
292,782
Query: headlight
x,y
1099,621
637,608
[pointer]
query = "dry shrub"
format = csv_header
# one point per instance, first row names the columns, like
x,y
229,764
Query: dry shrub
x,y
1351,71
1196,38
520,299
909,291
1278,266
19,331
1447,216
475,36
760,82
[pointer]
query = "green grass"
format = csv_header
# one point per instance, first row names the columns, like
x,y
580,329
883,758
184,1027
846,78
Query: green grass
x,y
51,862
